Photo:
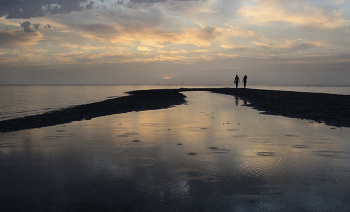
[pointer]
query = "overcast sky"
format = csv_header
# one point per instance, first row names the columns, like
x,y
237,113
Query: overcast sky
x,y
273,42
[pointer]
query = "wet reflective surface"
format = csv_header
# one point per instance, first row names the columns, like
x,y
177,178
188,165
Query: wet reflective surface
x,y
212,154
19,101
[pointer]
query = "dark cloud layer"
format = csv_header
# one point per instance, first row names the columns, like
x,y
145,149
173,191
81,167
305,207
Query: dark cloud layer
x,y
10,39
148,3
39,8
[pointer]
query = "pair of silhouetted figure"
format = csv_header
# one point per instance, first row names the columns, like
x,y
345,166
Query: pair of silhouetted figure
x,y
244,80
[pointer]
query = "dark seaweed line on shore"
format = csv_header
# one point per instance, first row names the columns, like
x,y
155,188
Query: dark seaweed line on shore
x,y
331,109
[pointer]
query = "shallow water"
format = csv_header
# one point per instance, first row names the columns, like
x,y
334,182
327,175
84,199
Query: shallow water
x,y
211,154
19,101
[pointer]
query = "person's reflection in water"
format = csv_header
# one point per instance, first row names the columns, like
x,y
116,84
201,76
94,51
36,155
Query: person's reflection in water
x,y
237,100
245,80
236,81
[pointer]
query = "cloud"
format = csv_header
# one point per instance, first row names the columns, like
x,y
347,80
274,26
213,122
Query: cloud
x,y
135,19
297,13
201,51
95,28
23,58
236,47
10,39
36,26
67,57
26,26
144,48
90,6
30,9
291,45
38,8
69,45
158,37
148,3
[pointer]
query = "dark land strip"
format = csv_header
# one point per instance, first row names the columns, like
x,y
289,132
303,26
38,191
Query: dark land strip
x,y
332,109
136,101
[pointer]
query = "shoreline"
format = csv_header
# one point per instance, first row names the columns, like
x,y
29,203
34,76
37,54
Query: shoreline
x,y
331,109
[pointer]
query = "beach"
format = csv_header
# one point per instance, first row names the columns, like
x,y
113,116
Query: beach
x,y
332,109
175,150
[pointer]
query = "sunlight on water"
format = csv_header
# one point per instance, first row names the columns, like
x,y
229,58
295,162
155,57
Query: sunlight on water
x,y
19,101
211,154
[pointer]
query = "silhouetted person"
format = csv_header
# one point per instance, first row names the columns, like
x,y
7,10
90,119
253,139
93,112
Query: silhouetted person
x,y
236,81
245,80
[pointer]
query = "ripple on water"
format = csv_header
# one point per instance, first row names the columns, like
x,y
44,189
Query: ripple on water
x,y
189,174
128,134
209,179
192,153
259,162
53,137
232,129
217,150
137,161
300,146
254,203
240,136
153,125
332,154
159,184
260,140
197,128
266,153
6,145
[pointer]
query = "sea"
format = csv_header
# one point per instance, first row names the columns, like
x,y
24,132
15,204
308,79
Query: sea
x,y
20,101
211,154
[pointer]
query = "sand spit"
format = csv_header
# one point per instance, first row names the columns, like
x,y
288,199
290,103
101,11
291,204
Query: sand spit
x,y
136,101
331,109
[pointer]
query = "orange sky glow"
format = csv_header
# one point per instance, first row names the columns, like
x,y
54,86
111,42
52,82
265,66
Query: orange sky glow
x,y
194,42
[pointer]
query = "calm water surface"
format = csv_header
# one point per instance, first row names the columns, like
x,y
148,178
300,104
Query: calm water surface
x,y
19,101
212,154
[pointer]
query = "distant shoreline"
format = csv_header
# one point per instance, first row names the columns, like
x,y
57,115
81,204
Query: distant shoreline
x,y
332,109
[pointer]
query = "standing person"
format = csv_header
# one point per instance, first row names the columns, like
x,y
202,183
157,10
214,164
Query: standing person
x,y
236,81
245,80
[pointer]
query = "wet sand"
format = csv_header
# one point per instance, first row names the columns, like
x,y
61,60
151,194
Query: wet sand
x,y
332,109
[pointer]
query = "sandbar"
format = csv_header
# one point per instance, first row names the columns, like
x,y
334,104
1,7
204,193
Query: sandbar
x,y
331,109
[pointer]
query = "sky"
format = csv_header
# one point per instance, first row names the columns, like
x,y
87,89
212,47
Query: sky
x,y
76,42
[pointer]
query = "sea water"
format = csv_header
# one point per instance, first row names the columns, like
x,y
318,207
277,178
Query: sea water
x,y
210,154
19,101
